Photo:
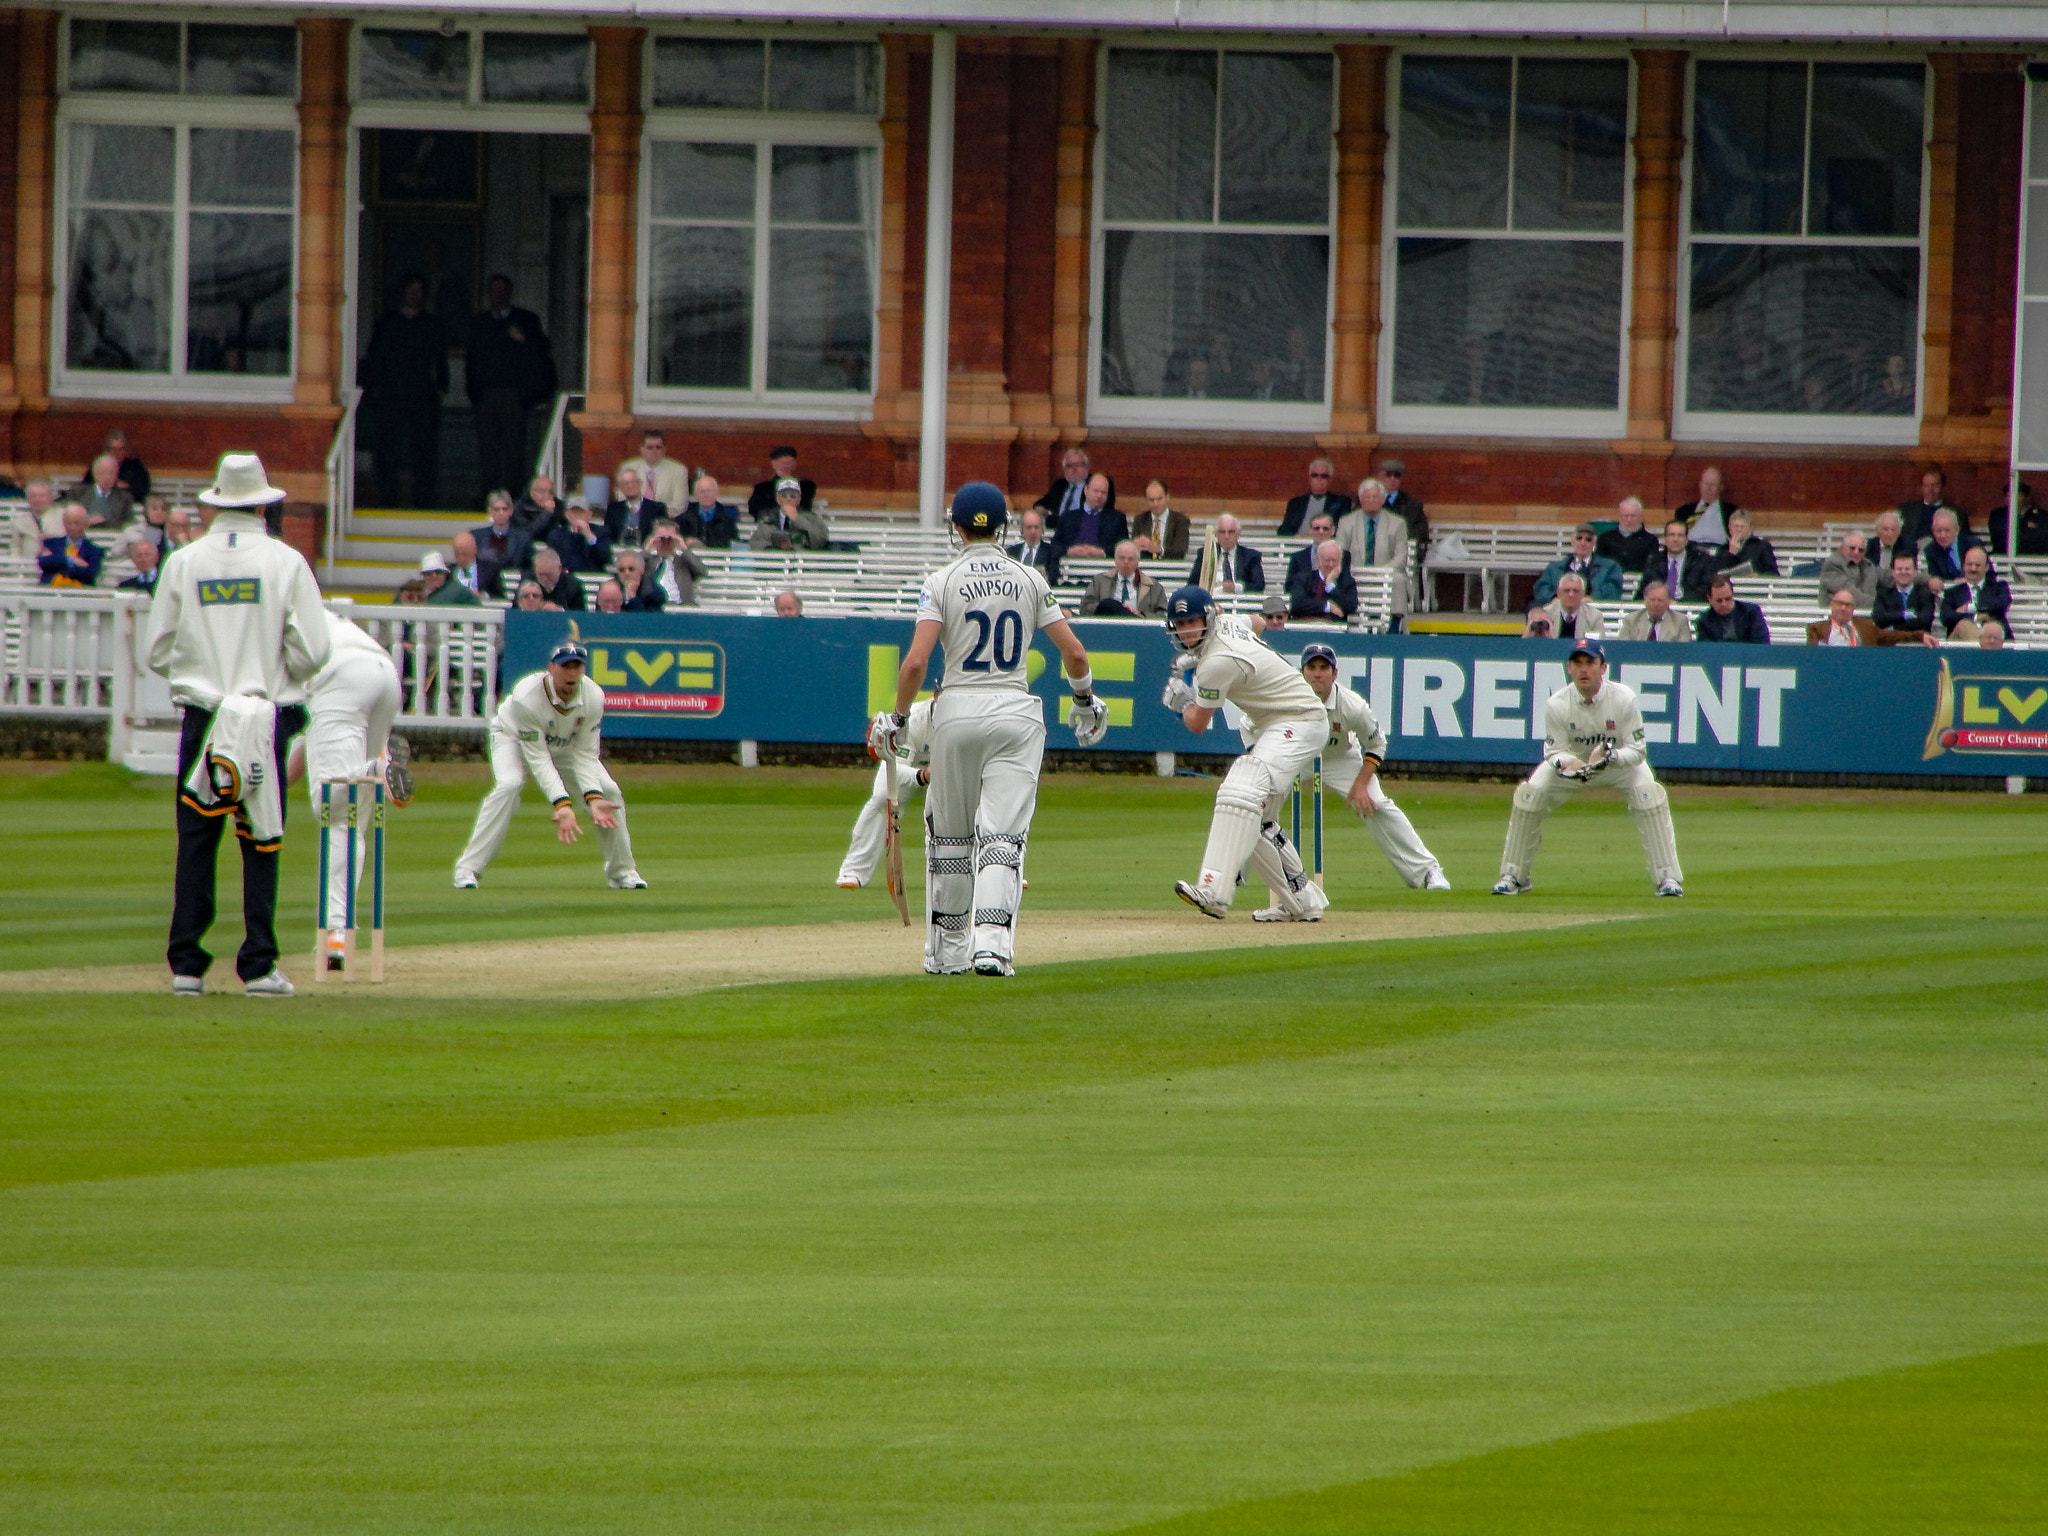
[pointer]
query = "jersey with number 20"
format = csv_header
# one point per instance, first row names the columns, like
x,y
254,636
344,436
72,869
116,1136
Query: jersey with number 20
x,y
987,607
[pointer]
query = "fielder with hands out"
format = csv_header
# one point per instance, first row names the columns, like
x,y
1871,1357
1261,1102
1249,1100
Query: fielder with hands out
x,y
987,734
1351,766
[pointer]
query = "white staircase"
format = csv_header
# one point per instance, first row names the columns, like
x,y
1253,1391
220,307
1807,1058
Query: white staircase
x,y
380,551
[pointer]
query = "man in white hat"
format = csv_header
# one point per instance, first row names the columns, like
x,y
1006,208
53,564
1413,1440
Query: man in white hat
x,y
236,626
440,582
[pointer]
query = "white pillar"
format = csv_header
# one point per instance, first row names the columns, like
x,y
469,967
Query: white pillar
x,y
938,288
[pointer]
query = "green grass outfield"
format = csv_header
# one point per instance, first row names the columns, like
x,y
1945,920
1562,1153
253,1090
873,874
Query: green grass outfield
x,y
1732,1217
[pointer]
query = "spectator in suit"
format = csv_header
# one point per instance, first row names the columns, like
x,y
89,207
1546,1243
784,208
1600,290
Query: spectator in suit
x,y
508,370
145,554
1371,535
708,522
156,512
671,569
2033,529
71,559
1843,625
1745,548
1628,544
1033,549
131,471
500,545
1094,526
1066,493
611,597
37,521
178,530
1146,534
106,501
791,526
1991,635
404,376
1979,596
631,513
641,595
442,590
788,605
1655,619
1127,592
1942,552
537,512
1846,570
1322,528
1327,589
1319,497
1706,519
1239,568
662,479
1916,517
1601,575
766,500
1729,619
532,598
560,588
1904,606
1890,541
1680,563
580,542
1405,505
1571,616
463,570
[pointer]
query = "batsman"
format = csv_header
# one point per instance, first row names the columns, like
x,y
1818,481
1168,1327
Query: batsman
x,y
1592,735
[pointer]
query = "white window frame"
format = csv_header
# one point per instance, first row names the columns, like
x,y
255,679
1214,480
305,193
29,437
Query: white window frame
x,y
764,129
473,114
1688,425
182,114
1206,415
1488,420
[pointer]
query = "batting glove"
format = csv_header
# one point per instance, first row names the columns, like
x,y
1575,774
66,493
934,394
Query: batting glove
x,y
882,733
1179,694
1089,717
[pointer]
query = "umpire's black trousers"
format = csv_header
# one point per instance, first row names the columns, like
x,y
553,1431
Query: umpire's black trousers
x,y
199,853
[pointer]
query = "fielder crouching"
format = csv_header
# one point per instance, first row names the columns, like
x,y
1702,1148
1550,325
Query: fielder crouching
x,y
1351,768
1593,734
547,723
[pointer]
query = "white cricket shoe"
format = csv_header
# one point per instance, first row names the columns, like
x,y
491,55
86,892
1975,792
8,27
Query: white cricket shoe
x,y
848,883
1282,915
1436,880
1670,888
276,984
1508,885
629,881
464,880
940,970
986,964
188,986
398,770
1200,902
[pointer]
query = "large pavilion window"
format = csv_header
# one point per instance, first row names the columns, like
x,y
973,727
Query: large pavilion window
x,y
1215,229
1509,248
1803,260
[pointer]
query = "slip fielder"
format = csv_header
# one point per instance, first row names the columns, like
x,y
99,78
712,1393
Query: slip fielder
x,y
988,735
1592,734
1351,767
547,723
1289,726
871,827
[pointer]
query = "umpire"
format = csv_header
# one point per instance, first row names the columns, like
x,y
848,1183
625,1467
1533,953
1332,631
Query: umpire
x,y
237,614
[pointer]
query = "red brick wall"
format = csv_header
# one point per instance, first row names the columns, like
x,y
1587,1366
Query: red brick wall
x,y
981,185
1988,126
10,69
1034,146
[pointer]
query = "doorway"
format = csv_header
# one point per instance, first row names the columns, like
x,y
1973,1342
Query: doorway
x,y
454,209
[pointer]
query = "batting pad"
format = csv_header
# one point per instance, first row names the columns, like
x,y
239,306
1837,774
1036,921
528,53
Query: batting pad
x,y
998,869
949,898
1525,841
1278,863
1651,808
1233,833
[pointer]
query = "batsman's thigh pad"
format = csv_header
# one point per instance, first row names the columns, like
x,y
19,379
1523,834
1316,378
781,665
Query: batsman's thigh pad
x,y
1247,786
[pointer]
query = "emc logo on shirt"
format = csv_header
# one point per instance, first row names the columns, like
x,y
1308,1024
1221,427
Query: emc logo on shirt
x,y
243,589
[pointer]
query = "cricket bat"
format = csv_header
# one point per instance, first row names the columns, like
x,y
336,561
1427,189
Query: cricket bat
x,y
892,846
1208,581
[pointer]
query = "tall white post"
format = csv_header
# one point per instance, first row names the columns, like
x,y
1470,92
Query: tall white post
x,y
938,288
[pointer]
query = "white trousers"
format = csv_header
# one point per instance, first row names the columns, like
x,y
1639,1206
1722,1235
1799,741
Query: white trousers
x,y
348,724
1546,789
987,746
494,816
871,827
1388,823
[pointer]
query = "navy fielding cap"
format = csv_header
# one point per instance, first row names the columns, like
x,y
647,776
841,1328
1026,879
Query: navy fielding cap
x,y
568,651
979,506
1592,648
1319,653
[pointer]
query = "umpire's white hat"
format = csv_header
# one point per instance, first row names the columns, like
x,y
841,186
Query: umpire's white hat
x,y
240,482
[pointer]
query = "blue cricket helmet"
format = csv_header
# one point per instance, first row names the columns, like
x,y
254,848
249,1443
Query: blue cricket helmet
x,y
979,507
1189,603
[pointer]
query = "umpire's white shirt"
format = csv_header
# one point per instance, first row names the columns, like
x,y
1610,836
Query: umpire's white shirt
x,y
236,611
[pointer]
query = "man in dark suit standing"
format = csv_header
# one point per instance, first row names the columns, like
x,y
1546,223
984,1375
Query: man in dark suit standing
x,y
404,375
1681,565
1904,606
1730,620
1238,569
1066,493
1916,517
762,503
1093,528
1033,550
630,516
1317,498
510,368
